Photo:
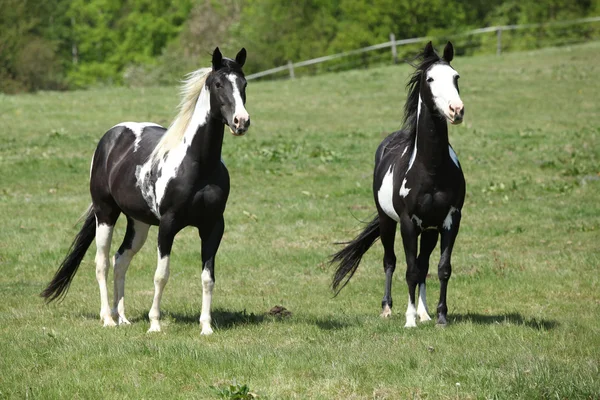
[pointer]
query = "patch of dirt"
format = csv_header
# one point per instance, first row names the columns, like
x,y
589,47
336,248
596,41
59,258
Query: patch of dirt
x,y
280,311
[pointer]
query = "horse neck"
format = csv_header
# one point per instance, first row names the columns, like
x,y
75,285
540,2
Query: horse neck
x,y
431,139
204,133
207,144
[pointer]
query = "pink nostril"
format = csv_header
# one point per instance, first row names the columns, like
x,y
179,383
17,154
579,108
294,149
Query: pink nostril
x,y
236,121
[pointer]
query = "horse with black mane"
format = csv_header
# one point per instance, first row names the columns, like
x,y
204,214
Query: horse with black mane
x,y
417,182
172,178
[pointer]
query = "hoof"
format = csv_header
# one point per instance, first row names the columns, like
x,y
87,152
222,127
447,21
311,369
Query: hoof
x,y
154,327
109,322
410,324
424,317
124,321
206,329
386,312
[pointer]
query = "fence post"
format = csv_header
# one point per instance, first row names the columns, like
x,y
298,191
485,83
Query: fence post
x,y
499,42
394,51
291,69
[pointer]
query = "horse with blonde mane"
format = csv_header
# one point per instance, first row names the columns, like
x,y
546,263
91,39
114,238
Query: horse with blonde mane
x,y
172,178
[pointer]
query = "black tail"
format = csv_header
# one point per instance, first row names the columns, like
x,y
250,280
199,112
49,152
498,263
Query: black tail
x,y
349,257
59,285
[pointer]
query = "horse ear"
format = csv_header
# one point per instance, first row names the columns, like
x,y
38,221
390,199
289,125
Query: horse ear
x,y
241,57
448,52
428,52
217,58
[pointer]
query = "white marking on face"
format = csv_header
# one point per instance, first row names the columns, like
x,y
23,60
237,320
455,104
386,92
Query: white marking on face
x,y
137,128
403,189
411,315
240,110
385,195
448,221
443,89
453,156
422,305
169,166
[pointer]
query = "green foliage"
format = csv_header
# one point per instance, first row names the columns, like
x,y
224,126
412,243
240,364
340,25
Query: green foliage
x,y
57,44
235,391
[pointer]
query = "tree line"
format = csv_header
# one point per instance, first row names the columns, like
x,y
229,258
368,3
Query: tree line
x,y
69,44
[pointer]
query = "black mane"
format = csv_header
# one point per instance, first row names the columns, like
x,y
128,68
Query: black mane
x,y
421,63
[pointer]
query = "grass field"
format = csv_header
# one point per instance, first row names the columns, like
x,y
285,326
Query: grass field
x,y
524,297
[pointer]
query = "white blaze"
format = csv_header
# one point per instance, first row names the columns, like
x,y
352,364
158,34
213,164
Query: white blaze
x,y
442,87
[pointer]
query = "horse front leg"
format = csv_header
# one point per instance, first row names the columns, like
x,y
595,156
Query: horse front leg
x,y
166,235
448,236
429,239
409,240
211,239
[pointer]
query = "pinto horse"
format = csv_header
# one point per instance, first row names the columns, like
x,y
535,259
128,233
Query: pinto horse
x,y
172,178
417,182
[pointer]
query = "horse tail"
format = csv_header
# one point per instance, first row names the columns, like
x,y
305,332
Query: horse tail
x,y
349,257
59,285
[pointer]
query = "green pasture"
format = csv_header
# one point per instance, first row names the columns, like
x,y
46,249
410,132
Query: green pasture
x,y
524,297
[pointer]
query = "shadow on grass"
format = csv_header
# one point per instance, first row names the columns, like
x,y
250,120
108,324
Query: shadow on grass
x,y
221,319
511,318
331,324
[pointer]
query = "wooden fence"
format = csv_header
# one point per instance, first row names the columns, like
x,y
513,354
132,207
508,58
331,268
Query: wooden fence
x,y
393,44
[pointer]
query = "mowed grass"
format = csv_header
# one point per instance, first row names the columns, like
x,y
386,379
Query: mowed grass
x,y
524,297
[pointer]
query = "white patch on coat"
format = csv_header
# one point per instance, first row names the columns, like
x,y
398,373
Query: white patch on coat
x,y
169,165
403,189
385,195
411,315
442,87
448,221
453,156
417,220
422,304
414,153
137,128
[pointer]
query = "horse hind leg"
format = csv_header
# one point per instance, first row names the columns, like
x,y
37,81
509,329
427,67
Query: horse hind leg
x,y
387,229
135,237
105,224
428,241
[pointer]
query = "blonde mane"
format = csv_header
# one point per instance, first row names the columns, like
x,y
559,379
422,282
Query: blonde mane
x,y
190,91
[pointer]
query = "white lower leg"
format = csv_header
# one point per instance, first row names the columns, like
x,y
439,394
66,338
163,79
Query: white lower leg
x,y
120,264
207,290
422,305
160,280
103,239
411,315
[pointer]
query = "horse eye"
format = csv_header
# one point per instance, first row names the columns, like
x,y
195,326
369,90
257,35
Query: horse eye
x,y
430,79
218,85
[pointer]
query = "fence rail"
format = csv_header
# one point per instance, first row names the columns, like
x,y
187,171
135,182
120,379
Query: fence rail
x,y
393,43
